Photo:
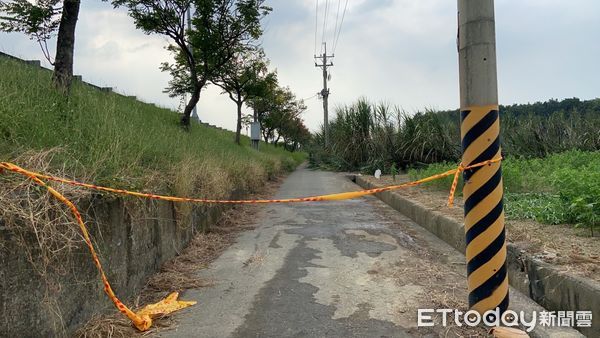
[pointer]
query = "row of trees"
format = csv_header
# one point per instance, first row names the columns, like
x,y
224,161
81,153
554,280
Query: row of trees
x,y
220,46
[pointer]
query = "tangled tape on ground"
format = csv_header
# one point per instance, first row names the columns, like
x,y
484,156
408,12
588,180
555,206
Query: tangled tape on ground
x,y
142,319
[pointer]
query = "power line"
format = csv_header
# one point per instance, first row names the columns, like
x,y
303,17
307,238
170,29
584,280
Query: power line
x,y
337,15
325,15
340,28
311,97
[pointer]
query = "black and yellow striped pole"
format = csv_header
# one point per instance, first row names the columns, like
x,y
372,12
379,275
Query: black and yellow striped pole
x,y
480,134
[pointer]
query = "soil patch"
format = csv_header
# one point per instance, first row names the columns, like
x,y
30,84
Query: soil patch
x,y
563,245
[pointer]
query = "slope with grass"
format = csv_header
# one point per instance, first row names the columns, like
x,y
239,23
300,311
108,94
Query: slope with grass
x,y
116,140
47,278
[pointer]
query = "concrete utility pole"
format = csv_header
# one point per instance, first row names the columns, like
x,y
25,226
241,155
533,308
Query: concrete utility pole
x,y
480,129
189,25
325,92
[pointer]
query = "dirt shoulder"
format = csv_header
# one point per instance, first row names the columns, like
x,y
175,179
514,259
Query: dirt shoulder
x,y
563,245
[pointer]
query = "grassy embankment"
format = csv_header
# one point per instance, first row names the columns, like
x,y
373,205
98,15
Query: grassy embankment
x,y
118,141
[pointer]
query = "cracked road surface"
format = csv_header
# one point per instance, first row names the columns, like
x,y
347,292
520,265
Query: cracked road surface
x,y
353,268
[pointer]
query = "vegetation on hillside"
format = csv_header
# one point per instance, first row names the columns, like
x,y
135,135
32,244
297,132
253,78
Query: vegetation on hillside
x,y
212,41
218,31
41,21
110,139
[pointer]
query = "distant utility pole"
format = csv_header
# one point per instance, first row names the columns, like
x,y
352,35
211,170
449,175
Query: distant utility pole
x,y
480,131
325,92
189,25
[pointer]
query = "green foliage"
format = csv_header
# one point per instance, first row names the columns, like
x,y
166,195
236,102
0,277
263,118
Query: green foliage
x,y
219,29
351,136
551,168
279,114
560,188
239,78
117,140
542,207
585,212
393,171
39,20
433,169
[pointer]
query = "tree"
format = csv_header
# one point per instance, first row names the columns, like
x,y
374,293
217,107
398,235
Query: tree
x,y
294,133
40,20
281,107
239,79
219,29
263,92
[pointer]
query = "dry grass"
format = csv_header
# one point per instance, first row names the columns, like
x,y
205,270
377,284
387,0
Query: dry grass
x,y
117,326
180,273
41,227
36,217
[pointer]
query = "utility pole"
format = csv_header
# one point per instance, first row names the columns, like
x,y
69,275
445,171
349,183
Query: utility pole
x,y
325,92
480,131
189,25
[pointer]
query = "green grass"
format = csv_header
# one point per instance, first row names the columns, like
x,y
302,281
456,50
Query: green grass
x,y
560,188
122,142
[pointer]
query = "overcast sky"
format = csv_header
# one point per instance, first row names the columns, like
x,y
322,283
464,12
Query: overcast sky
x,y
399,51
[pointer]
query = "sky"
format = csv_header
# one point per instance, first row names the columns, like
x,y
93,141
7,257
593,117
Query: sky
x,y
401,52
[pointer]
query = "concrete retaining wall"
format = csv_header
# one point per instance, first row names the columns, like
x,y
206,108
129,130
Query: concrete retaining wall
x,y
546,284
133,238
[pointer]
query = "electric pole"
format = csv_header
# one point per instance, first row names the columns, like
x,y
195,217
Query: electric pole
x,y
480,130
325,92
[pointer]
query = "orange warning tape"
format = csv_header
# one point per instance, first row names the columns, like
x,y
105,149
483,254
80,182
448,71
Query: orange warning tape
x,y
143,319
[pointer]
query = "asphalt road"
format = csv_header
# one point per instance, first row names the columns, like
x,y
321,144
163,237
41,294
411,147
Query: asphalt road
x,y
353,268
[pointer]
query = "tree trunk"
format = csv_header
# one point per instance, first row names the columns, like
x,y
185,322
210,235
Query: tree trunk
x,y
65,45
238,130
189,107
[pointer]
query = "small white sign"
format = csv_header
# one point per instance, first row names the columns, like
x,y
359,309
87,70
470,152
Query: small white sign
x,y
377,174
